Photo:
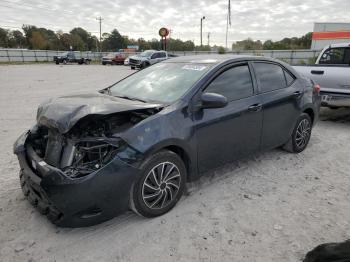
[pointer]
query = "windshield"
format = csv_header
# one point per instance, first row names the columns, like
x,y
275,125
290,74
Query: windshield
x,y
147,53
165,82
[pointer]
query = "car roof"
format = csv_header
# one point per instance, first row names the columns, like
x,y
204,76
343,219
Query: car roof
x,y
339,45
215,59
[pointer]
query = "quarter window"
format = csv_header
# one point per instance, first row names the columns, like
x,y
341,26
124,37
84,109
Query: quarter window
x,y
270,76
289,78
234,83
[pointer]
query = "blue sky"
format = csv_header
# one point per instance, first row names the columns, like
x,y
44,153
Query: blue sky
x,y
258,19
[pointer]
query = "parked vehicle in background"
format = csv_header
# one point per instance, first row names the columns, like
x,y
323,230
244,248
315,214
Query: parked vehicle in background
x,y
90,157
332,73
126,61
147,58
71,57
113,59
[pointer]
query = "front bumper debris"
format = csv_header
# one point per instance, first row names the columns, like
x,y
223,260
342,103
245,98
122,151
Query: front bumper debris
x,y
74,202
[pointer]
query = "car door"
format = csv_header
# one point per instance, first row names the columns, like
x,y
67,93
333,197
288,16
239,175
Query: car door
x,y
229,133
335,74
281,96
162,56
154,58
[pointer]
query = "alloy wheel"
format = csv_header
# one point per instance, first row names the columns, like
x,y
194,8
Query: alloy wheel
x,y
303,133
161,185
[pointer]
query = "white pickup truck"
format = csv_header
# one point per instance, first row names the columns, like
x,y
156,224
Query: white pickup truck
x,y
147,58
332,73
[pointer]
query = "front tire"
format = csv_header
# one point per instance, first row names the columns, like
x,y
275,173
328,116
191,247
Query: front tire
x,y
160,185
301,135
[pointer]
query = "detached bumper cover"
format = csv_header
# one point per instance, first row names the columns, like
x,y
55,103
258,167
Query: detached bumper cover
x,y
336,98
77,202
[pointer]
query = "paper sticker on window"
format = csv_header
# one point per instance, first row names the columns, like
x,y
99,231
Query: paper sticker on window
x,y
194,67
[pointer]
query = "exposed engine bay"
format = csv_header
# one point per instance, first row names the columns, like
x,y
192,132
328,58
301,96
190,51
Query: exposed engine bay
x,y
91,143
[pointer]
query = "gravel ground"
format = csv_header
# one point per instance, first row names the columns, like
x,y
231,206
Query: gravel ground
x,y
274,206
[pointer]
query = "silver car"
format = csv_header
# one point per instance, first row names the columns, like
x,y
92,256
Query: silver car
x,y
147,58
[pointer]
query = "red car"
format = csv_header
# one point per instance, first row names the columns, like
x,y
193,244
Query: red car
x,y
114,59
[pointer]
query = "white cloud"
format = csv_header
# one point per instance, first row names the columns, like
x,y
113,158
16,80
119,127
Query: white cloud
x,y
258,19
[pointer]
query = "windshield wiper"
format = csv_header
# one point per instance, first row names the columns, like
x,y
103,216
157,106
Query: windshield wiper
x,y
131,98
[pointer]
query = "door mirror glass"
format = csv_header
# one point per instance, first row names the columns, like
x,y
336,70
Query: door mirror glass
x,y
213,100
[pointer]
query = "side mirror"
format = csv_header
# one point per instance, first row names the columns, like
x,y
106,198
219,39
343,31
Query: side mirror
x,y
213,100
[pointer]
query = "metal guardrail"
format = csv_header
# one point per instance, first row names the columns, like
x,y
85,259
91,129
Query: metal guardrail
x,y
23,55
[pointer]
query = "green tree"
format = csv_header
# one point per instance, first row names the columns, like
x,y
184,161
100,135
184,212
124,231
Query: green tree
x,y
221,50
248,44
17,39
4,39
113,41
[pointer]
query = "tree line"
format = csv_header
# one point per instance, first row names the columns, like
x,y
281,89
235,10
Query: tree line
x,y
79,39
303,42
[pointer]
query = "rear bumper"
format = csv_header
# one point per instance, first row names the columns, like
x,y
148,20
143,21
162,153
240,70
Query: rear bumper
x,y
332,99
71,202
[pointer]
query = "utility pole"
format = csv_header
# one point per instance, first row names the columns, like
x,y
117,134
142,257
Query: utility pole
x,y
228,20
209,39
202,29
170,31
100,21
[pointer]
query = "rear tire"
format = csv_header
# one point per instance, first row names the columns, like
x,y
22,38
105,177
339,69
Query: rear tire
x,y
160,185
301,135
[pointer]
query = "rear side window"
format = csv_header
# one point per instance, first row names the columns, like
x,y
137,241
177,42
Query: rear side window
x,y
162,55
270,76
234,83
335,56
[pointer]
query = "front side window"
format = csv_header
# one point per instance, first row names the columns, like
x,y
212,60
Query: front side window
x,y
335,56
234,83
147,53
155,55
270,76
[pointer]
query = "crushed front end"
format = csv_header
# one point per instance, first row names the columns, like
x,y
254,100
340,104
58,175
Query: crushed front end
x,y
81,177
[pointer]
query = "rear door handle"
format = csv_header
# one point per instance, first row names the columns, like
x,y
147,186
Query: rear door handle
x,y
317,72
255,108
297,94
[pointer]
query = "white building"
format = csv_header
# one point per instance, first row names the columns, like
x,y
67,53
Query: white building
x,y
330,33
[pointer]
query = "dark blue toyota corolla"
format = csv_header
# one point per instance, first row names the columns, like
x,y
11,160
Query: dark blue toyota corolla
x,y
135,144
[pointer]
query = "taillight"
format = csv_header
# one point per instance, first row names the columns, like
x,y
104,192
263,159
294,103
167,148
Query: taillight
x,y
317,88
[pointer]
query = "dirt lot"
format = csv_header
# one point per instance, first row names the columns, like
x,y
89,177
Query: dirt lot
x,y
272,207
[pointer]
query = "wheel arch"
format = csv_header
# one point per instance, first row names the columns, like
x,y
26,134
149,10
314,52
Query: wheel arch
x,y
182,151
311,113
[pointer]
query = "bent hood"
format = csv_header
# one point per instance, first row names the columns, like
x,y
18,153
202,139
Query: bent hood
x,y
64,112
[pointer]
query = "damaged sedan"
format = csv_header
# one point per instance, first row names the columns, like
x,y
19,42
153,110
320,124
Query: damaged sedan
x,y
135,144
